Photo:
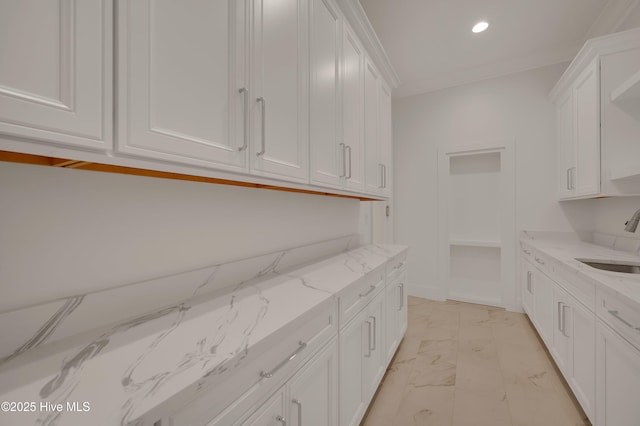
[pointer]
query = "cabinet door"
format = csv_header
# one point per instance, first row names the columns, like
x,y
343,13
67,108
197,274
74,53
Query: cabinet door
x,y
271,413
527,288
385,136
280,136
353,108
395,314
586,94
543,306
313,392
566,146
327,153
617,379
560,333
354,346
56,78
373,178
376,358
582,332
182,81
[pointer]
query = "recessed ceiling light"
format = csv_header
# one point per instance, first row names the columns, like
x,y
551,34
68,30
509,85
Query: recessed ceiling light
x,y
480,27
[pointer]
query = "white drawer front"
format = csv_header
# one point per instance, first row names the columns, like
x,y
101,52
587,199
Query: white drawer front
x,y
621,317
358,295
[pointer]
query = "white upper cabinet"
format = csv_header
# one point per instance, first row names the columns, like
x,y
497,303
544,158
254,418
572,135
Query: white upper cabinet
x,y
586,106
280,90
374,169
353,109
598,123
182,90
377,131
328,153
56,78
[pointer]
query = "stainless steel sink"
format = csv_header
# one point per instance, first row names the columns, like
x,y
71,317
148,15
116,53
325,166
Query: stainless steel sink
x,y
627,268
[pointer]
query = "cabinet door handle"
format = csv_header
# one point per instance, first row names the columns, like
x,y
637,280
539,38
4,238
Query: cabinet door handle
x,y
343,169
373,348
348,148
368,355
281,420
573,177
401,287
527,252
540,261
263,104
384,175
560,316
299,404
295,353
529,276
564,320
371,288
569,178
245,122
616,314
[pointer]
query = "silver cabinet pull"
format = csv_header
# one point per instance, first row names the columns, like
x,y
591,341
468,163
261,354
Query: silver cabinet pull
x,y
560,317
263,104
348,148
299,404
573,177
281,420
368,355
279,366
527,251
371,288
540,261
401,287
245,123
564,320
569,178
529,275
374,332
343,148
616,314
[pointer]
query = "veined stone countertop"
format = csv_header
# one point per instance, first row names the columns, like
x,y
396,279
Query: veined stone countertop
x,y
125,369
565,248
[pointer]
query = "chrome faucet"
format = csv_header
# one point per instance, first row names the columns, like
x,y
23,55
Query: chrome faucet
x,y
632,224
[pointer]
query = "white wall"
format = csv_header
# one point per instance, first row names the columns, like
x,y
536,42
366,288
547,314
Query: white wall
x,y
514,107
65,232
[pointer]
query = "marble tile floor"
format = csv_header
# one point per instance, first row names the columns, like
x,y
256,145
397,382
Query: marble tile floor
x,y
462,364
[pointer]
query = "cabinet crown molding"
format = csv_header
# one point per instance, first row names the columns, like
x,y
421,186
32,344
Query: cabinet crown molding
x,y
592,50
361,25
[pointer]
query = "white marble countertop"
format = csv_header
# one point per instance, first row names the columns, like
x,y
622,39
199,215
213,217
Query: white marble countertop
x,y
125,370
565,249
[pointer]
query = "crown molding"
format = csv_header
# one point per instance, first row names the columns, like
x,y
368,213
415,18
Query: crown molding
x,y
611,18
360,24
592,50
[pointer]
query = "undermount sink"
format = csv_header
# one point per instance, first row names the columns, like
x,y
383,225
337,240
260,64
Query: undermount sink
x,y
627,268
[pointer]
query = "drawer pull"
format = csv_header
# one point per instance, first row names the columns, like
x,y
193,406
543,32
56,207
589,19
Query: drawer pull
x,y
371,288
622,320
399,265
279,366
281,420
540,261
527,251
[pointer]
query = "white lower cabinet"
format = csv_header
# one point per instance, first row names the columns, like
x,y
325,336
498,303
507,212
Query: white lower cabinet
x,y
564,323
618,379
309,398
396,311
362,361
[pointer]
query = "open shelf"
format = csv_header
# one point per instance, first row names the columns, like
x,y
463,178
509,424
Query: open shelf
x,y
475,243
627,95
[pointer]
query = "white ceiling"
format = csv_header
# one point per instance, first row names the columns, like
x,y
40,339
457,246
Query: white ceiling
x,y
431,46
